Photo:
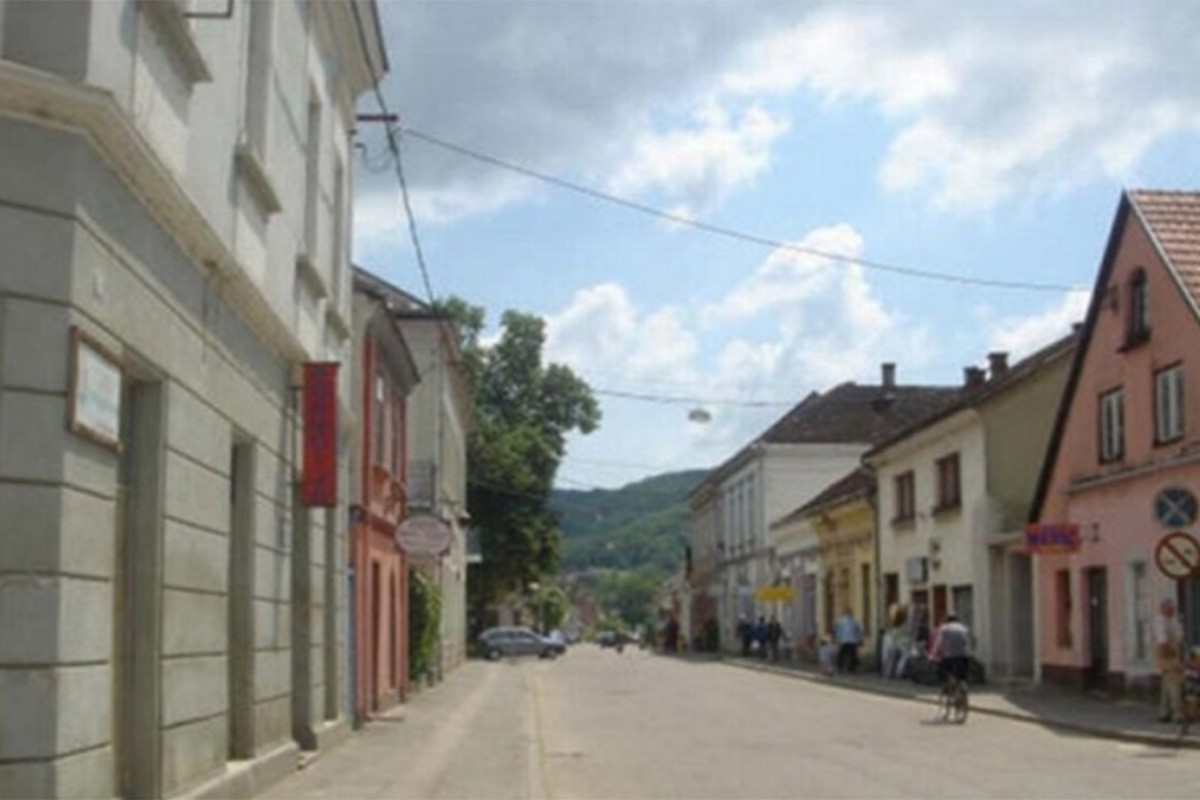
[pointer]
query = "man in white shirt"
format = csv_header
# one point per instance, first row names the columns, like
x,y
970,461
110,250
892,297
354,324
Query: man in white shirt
x,y
848,635
1168,655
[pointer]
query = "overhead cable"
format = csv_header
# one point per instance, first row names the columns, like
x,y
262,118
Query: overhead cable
x,y
731,233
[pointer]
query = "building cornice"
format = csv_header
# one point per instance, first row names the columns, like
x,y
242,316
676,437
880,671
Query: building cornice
x,y
48,100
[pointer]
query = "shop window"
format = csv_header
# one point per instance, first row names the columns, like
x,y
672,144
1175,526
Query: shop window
x,y
1139,599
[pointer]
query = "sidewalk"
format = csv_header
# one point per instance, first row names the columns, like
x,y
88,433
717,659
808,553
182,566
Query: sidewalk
x,y
1054,707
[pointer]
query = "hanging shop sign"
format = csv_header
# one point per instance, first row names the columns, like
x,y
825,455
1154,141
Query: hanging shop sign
x,y
318,482
1178,555
423,536
94,393
1052,537
1175,507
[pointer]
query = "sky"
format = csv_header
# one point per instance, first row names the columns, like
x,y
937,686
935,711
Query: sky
x,y
982,142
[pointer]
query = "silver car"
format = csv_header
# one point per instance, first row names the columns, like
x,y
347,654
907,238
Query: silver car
x,y
497,642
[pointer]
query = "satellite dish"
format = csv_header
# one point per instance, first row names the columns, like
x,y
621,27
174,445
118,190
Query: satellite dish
x,y
700,416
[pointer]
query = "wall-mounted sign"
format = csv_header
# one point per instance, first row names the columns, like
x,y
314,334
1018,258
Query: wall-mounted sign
x,y
916,570
318,482
423,536
1175,507
94,394
1178,555
766,594
1052,537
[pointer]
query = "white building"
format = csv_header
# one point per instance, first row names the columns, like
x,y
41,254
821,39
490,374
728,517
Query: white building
x,y
817,442
954,496
174,208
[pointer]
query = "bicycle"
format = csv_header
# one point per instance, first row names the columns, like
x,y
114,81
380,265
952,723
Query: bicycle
x,y
954,701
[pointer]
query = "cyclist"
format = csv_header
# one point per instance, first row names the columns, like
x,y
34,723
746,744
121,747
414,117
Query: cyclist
x,y
952,649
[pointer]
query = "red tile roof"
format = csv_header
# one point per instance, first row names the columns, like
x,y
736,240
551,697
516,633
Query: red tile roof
x,y
1173,218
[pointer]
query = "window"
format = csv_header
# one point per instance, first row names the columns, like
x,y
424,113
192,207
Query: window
x,y
905,497
1168,404
866,599
1139,601
1062,608
1112,425
1139,320
379,421
312,172
948,495
258,76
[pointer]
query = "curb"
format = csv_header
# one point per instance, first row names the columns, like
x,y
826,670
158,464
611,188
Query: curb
x,y
1137,737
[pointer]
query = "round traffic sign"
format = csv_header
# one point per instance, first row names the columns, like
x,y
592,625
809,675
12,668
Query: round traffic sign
x,y
1175,507
1177,555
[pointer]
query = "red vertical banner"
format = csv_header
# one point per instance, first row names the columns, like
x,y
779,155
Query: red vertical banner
x,y
318,484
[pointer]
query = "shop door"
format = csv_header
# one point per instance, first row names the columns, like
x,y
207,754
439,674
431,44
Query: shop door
x,y
1188,604
1097,619
939,605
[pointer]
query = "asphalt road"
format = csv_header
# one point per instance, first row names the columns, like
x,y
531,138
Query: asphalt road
x,y
594,724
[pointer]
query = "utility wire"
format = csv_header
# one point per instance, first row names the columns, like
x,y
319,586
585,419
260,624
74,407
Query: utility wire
x,y
729,233
682,400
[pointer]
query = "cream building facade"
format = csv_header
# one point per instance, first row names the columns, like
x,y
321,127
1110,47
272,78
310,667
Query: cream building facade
x,y
175,212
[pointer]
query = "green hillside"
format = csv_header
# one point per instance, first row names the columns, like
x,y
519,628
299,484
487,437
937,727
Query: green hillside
x,y
640,526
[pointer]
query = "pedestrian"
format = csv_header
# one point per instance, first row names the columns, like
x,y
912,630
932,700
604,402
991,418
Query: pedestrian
x,y
849,637
760,637
745,632
1168,655
774,634
826,653
902,643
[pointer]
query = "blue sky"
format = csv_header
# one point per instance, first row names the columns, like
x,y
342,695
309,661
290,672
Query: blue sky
x,y
986,141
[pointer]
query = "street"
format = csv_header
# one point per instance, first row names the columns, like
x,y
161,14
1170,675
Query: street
x,y
595,724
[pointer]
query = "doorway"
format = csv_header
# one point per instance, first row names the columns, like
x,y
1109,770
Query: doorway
x,y
1096,586
137,593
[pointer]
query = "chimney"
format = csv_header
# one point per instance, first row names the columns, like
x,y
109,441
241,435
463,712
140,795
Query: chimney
x,y
889,375
972,377
998,364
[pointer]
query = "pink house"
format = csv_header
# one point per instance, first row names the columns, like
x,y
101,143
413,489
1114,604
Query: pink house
x,y
1124,457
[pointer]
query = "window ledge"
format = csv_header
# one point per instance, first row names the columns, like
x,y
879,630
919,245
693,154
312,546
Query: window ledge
x,y
311,277
335,320
904,523
950,508
167,18
251,167
1135,340
1166,442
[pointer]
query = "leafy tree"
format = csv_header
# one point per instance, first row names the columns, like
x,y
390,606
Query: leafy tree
x,y
630,594
524,410
553,606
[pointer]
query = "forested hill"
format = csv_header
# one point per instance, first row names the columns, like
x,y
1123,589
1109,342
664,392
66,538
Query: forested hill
x,y
639,526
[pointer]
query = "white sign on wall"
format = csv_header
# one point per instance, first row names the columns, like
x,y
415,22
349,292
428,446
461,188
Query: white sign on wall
x,y
94,402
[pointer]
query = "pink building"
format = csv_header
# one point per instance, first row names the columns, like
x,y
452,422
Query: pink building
x,y
1124,456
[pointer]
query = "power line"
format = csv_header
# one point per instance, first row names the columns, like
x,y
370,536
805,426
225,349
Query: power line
x,y
729,233
685,400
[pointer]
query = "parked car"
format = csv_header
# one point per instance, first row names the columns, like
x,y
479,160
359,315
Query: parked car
x,y
495,643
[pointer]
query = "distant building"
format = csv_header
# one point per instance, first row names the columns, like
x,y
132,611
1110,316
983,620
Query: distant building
x,y
818,441
175,213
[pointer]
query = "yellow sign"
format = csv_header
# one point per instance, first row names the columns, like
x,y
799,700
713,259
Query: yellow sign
x,y
765,594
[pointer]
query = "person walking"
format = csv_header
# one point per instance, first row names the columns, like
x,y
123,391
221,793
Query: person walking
x,y
1168,655
745,632
774,634
849,636
760,637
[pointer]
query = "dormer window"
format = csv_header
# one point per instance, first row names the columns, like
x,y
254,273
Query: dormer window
x,y
1139,319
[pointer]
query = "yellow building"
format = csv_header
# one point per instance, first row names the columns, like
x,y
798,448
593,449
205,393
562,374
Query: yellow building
x,y
843,515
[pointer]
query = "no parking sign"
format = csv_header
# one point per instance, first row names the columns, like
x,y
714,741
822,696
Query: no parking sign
x,y
1178,555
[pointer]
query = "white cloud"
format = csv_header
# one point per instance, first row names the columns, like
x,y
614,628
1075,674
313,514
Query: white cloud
x,y
602,332
702,162
1021,336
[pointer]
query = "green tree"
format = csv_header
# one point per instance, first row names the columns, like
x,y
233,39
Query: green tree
x,y
552,608
630,594
524,410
